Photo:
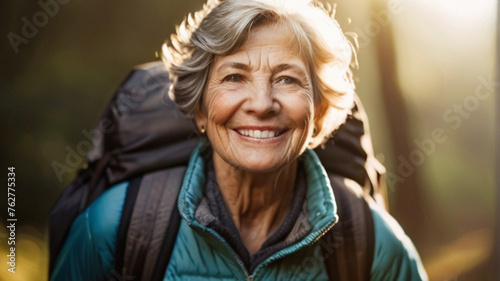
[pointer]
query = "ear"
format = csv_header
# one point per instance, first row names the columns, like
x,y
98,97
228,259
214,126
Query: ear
x,y
200,116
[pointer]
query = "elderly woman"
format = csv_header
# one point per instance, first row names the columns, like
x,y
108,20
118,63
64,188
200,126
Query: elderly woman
x,y
265,81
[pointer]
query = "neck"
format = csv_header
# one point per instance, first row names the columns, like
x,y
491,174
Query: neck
x,y
258,202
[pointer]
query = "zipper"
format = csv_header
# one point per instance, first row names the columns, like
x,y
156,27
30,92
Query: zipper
x,y
306,241
194,224
227,247
232,252
318,234
311,238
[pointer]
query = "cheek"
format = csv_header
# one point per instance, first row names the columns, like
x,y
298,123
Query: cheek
x,y
303,115
220,106
300,108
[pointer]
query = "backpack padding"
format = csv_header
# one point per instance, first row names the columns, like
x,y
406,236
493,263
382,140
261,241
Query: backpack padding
x,y
128,207
350,153
148,132
150,218
168,246
353,235
168,216
375,171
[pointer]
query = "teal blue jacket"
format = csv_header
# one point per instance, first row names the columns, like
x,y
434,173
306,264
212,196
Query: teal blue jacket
x,y
200,253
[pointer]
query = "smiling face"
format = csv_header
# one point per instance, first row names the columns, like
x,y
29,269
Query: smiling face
x,y
258,105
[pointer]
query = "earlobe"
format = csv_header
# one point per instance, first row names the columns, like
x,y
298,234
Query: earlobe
x,y
201,120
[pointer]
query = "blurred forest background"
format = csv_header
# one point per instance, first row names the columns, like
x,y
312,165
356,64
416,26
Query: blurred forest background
x,y
426,77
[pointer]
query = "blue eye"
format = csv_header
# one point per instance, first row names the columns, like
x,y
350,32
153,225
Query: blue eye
x,y
235,78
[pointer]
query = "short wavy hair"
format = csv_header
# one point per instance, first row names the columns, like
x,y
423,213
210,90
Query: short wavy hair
x,y
222,26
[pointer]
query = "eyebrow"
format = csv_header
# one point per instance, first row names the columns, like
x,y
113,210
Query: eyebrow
x,y
236,65
245,67
286,66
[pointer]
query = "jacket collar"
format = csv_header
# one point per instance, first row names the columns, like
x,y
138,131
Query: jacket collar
x,y
320,209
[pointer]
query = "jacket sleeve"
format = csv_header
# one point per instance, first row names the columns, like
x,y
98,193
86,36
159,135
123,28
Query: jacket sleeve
x,y
396,258
89,251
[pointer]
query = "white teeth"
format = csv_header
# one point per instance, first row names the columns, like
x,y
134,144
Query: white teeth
x,y
258,134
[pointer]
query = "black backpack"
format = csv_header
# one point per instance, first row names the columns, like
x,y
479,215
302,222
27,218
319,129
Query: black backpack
x,y
143,138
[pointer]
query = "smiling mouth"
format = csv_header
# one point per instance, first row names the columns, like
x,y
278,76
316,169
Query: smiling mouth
x,y
259,134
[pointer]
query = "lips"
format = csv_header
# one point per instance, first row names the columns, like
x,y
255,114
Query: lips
x,y
259,133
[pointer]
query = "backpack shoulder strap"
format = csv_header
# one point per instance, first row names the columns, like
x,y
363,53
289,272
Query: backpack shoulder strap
x,y
128,207
149,223
353,236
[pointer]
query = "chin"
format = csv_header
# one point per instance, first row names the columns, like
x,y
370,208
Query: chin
x,y
263,166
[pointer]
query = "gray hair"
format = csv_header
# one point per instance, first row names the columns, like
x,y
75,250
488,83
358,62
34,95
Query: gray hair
x,y
221,27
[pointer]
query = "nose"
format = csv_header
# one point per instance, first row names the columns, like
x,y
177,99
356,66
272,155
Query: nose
x,y
261,101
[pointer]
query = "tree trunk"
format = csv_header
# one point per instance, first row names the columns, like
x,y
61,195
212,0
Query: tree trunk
x,y
407,205
496,258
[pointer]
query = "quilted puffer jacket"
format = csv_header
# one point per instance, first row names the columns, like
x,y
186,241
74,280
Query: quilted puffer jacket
x,y
200,253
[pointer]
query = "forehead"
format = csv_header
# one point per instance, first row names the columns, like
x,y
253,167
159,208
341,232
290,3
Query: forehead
x,y
272,41
280,34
